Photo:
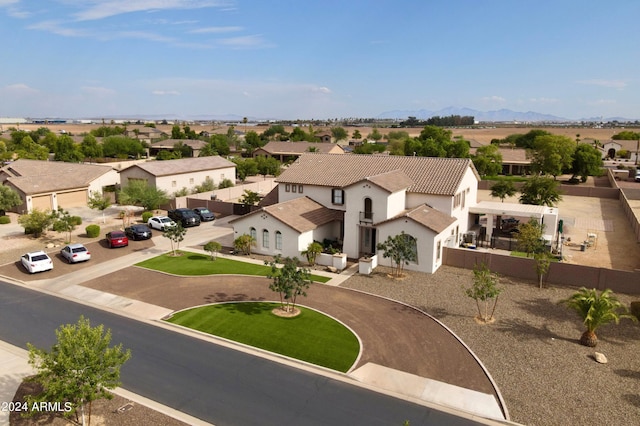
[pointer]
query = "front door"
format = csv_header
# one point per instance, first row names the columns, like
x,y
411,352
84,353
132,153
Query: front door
x,y
367,240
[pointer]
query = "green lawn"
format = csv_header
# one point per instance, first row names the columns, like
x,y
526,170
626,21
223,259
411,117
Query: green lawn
x,y
200,264
311,336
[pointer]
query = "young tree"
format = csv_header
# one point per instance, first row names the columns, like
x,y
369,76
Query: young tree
x,y
244,243
245,167
540,191
176,235
8,198
250,198
595,310
35,222
63,222
484,290
530,237
375,135
401,249
99,201
543,263
90,147
213,248
67,150
311,253
356,135
503,189
268,166
80,368
289,281
140,193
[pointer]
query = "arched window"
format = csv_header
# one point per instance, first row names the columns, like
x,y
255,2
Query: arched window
x,y
278,240
253,234
368,206
413,245
265,238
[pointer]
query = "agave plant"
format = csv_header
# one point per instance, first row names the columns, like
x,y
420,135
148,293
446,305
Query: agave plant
x,y
595,310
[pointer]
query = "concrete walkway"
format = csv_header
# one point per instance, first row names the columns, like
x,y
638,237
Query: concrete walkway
x,y
470,403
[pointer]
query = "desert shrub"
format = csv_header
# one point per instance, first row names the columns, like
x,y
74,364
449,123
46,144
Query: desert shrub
x,y
92,231
146,216
635,309
225,183
75,221
4,220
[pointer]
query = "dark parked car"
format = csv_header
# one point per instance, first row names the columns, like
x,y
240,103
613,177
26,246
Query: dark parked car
x,y
117,239
205,214
138,232
186,217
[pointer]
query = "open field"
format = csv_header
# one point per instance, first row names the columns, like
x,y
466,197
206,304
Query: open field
x,y
483,135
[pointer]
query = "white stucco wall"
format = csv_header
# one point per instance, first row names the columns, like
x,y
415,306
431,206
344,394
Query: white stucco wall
x,y
110,178
175,183
427,243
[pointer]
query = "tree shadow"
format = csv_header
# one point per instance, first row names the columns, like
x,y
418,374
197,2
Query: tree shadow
x,y
544,308
250,308
632,398
523,330
224,297
631,374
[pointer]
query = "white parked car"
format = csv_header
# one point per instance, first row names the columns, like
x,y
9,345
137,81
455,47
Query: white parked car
x,y
74,253
160,222
36,261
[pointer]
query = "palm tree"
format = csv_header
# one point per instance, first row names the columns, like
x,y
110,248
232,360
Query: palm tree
x,y
595,310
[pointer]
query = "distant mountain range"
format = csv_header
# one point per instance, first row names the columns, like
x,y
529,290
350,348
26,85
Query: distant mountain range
x,y
501,115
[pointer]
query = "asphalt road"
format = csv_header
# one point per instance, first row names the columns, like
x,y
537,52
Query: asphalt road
x,y
211,382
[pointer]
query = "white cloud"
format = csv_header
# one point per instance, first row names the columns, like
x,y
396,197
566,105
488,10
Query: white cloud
x,y
494,99
19,89
166,92
615,84
250,41
56,27
216,30
543,101
101,92
324,90
94,10
600,102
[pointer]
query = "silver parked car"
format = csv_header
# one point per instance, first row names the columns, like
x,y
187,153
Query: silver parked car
x,y
74,253
36,261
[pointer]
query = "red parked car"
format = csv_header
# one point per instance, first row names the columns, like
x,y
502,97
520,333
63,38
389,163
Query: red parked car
x,y
117,239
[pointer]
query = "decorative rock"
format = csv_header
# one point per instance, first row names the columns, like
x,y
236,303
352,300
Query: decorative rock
x,y
50,245
600,358
332,269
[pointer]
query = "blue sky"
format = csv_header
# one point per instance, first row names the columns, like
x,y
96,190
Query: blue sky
x,y
317,59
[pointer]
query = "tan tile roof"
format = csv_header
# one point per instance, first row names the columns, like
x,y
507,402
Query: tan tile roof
x,y
294,148
392,181
169,143
302,214
184,165
35,176
430,175
426,216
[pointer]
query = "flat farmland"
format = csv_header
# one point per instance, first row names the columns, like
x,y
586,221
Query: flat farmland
x,y
480,134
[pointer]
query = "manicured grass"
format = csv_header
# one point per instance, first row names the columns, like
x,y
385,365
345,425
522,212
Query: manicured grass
x,y
200,264
311,336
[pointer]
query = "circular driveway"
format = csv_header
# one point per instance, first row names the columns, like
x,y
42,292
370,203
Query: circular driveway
x,y
392,334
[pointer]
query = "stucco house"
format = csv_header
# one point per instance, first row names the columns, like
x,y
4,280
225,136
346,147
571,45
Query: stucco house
x,y
289,151
173,175
48,185
360,200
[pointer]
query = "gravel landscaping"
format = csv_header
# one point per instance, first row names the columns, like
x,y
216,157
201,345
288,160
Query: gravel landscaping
x,y
545,376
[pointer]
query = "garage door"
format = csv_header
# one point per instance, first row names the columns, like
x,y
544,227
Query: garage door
x,y
72,199
41,202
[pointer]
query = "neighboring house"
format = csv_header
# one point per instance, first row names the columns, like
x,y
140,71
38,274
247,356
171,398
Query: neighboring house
x,y
173,175
144,133
610,148
360,200
48,185
289,151
196,146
